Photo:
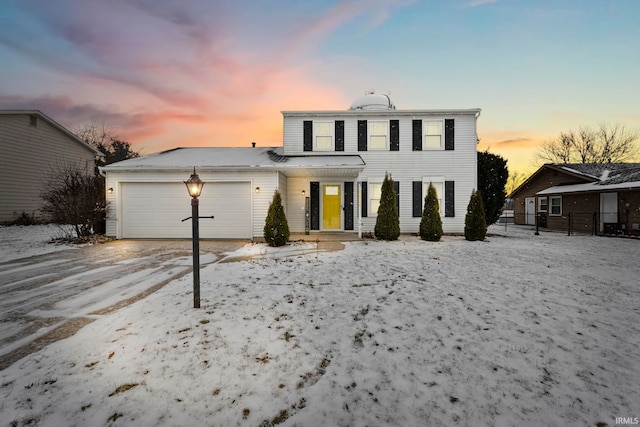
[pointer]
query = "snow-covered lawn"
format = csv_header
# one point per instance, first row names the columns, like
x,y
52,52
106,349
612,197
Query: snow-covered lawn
x,y
519,330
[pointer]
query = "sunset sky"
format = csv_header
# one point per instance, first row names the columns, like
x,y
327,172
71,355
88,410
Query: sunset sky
x,y
164,74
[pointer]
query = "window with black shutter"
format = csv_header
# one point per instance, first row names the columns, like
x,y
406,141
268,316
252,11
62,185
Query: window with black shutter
x,y
395,135
417,135
449,133
362,135
339,135
307,138
449,199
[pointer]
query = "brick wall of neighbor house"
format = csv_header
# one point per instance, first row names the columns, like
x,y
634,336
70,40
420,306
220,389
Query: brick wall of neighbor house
x,y
581,206
547,178
585,210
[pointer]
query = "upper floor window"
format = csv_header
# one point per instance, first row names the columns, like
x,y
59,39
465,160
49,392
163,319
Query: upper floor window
x,y
323,132
378,135
33,120
323,135
432,134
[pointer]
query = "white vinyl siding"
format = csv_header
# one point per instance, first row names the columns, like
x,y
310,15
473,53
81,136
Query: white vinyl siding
x,y
30,155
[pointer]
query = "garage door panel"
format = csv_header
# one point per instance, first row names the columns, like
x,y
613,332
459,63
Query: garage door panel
x,y
156,210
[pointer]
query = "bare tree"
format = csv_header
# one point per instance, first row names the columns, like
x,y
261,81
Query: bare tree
x,y
514,181
71,196
607,143
103,139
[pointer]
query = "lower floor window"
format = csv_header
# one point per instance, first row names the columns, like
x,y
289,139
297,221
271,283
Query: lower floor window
x,y
556,205
375,192
439,187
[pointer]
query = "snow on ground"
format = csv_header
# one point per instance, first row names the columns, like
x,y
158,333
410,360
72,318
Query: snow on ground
x,y
519,330
25,241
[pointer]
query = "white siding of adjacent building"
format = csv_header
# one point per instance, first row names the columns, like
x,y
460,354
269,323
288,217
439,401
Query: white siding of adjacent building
x,y
30,154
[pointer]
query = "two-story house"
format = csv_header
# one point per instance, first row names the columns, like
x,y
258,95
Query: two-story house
x,y
329,171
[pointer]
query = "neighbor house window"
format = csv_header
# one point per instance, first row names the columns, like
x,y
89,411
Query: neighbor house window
x,y
438,184
378,135
323,132
556,205
542,204
375,192
432,134
33,120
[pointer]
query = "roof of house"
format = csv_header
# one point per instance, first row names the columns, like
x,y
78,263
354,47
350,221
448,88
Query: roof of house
x,y
599,175
234,158
53,123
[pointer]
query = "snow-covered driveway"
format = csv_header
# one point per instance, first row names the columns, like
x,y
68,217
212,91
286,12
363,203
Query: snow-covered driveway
x,y
50,296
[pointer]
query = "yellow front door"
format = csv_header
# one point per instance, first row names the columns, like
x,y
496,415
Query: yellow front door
x,y
331,207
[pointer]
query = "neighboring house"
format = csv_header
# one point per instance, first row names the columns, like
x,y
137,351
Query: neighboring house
x,y
588,198
329,172
33,146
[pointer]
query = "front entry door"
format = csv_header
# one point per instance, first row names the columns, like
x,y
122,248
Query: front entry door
x,y
530,210
608,209
331,209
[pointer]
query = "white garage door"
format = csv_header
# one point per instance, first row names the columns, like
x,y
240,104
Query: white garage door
x,y
155,210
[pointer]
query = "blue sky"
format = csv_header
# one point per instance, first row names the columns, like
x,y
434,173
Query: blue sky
x,y
200,73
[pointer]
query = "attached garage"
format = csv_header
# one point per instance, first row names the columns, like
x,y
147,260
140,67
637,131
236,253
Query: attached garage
x,y
147,198
156,209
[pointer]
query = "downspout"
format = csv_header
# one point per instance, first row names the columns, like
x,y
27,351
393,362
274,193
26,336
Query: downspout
x,y
359,185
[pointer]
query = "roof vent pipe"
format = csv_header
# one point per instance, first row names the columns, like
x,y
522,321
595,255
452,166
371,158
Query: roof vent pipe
x,y
253,145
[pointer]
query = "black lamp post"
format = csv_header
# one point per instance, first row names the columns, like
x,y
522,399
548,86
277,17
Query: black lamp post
x,y
194,187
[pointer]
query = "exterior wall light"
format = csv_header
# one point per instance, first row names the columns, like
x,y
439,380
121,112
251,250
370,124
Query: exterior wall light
x,y
257,189
110,190
304,193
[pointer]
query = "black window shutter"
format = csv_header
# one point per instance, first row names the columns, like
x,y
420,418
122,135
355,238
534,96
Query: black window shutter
x,y
396,188
339,135
315,205
449,132
365,200
395,135
348,205
362,135
449,198
307,138
417,136
417,199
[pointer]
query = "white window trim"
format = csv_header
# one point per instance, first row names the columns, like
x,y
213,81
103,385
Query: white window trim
x,y
551,198
424,135
315,135
425,188
370,184
540,204
370,134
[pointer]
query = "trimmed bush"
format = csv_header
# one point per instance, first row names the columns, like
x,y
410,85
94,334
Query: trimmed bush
x,y
387,223
276,228
431,223
475,226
